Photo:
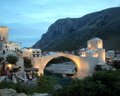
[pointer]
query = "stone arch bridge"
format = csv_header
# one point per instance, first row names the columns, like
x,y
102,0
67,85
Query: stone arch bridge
x,y
81,64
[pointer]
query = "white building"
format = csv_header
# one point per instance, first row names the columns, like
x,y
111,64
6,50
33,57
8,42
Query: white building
x,y
13,46
30,52
110,54
9,48
94,44
94,49
5,44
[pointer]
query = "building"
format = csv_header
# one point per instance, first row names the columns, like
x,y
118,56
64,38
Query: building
x,y
13,46
94,50
95,43
9,46
117,55
110,54
5,44
3,33
30,52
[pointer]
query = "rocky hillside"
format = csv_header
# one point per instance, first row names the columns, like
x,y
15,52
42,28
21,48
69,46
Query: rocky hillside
x,y
72,33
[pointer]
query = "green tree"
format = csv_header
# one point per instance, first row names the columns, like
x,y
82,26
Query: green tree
x,y
102,83
47,83
27,62
11,59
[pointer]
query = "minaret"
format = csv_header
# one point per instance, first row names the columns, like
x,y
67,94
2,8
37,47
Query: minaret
x,y
3,33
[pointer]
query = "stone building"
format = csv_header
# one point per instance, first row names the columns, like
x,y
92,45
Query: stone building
x,y
10,48
30,52
94,49
3,33
94,44
110,54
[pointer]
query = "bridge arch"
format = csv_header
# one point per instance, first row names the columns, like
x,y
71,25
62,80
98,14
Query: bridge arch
x,y
58,59
81,66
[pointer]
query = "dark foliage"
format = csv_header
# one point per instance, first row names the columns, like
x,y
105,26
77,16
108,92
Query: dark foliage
x,y
27,62
116,64
103,83
45,84
11,59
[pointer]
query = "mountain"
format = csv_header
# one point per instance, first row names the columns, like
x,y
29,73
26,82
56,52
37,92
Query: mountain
x,y
73,33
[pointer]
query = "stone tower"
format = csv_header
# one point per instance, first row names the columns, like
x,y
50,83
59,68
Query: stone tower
x,y
3,33
94,44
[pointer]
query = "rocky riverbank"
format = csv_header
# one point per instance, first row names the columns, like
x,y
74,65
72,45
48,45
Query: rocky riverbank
x,y
12,92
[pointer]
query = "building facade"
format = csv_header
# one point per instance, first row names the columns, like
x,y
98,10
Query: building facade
x,y
30,52
110,54
3,33
95,50
5,44
9,48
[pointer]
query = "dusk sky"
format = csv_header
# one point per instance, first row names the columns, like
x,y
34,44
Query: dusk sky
x,y
29,19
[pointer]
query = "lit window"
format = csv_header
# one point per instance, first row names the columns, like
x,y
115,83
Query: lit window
x,y
83,54
95,55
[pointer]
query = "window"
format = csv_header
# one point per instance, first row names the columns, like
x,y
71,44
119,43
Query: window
x,y
33,55
3,51
38,55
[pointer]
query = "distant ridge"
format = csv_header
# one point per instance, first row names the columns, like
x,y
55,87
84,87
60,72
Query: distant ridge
x,y
73,33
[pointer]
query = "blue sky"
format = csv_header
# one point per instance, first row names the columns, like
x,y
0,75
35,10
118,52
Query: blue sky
x,y
29,19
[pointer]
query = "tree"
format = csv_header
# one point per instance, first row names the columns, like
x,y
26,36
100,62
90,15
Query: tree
x,y
11,59
27,62
102,83
116,64
47,83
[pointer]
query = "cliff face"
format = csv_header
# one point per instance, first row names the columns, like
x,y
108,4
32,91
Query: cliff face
x,y
73,33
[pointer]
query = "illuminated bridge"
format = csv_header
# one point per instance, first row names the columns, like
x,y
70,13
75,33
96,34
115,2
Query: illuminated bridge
x,y
85,66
